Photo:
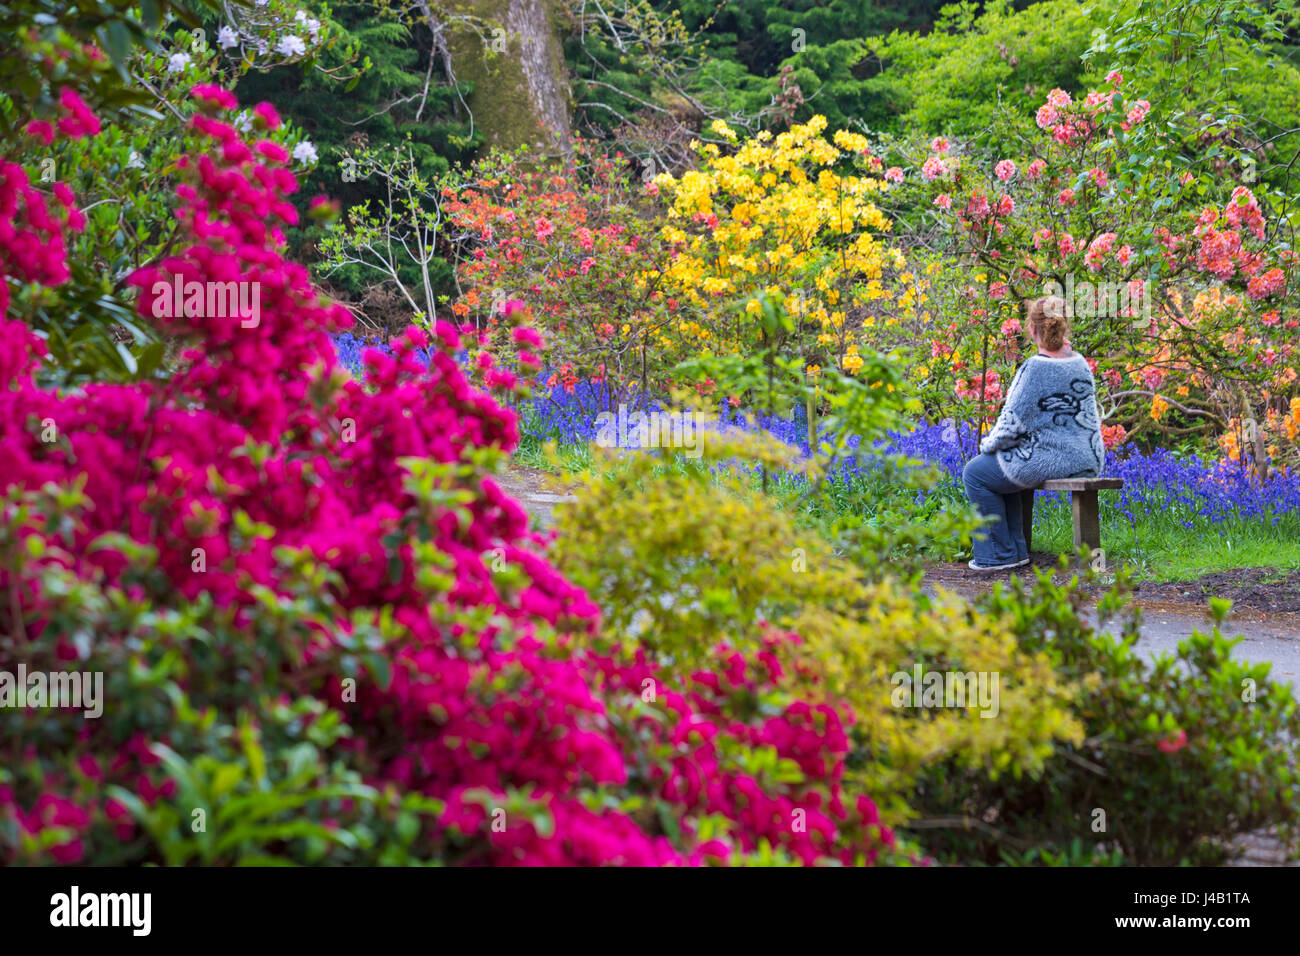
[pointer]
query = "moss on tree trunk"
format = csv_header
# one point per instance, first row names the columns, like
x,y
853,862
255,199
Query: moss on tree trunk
x,y
520,93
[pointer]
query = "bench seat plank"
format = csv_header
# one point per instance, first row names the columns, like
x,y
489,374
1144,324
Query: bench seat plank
x,y
1082,484
1083,506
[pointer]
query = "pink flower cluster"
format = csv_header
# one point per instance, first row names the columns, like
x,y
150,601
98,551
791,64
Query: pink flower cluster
x,y
1219,250
1071,123
934,168
1098,250
32,233
1243,212
988,385
76,122
260,423
978,207
1272,282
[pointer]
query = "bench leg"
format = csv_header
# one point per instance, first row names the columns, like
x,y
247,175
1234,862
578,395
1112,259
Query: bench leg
x,y
1027,517
1087,522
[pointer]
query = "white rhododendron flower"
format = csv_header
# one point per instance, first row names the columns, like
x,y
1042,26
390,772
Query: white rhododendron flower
x,y
178,62
311,24
305,152
226,38
291,46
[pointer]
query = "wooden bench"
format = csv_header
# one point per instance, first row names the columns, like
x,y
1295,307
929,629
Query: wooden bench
x,y
1083,505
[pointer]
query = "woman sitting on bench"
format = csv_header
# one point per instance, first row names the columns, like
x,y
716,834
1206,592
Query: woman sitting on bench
x,y
1049,428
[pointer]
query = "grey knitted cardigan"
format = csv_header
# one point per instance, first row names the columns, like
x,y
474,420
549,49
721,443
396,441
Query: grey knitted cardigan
x,y
1049,427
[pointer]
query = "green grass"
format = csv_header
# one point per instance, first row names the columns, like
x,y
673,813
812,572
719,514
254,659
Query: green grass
x,y
572,456
1158,547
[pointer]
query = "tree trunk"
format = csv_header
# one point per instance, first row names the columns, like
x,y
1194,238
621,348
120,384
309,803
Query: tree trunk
x,y
520,81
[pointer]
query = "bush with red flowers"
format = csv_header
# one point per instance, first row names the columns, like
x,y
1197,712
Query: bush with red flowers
x,y
262,611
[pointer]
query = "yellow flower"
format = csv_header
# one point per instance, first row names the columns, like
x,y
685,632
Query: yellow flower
x,y
782,206
853,142
722,129
1158,407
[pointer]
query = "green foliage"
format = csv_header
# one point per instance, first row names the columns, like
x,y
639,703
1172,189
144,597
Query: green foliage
x,y
823,43
43,47
682,557
880,514
978,59
892,519
402,101
1181,754
393,239
1229,97
252,774
1225,77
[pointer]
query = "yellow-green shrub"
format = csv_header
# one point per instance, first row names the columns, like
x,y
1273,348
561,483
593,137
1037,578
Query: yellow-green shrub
x,y
684,555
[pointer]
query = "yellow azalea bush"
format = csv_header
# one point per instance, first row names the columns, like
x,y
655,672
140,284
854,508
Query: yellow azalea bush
x,y
788,216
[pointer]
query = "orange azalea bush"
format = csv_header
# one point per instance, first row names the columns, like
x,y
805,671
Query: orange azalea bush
x,y
571,241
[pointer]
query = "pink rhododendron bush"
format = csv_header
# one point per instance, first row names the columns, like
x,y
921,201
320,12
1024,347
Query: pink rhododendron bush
x,y
305,623
1182,291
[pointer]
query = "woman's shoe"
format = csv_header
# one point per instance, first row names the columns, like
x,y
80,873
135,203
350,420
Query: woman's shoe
x,y
974,566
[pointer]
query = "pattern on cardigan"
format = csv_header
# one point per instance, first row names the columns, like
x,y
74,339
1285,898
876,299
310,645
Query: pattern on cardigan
x,y
1049,426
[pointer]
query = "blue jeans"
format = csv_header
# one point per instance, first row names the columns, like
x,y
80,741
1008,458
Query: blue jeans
x,y
1003,540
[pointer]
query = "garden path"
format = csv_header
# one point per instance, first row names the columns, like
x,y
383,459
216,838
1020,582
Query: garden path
x,y
1267,635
